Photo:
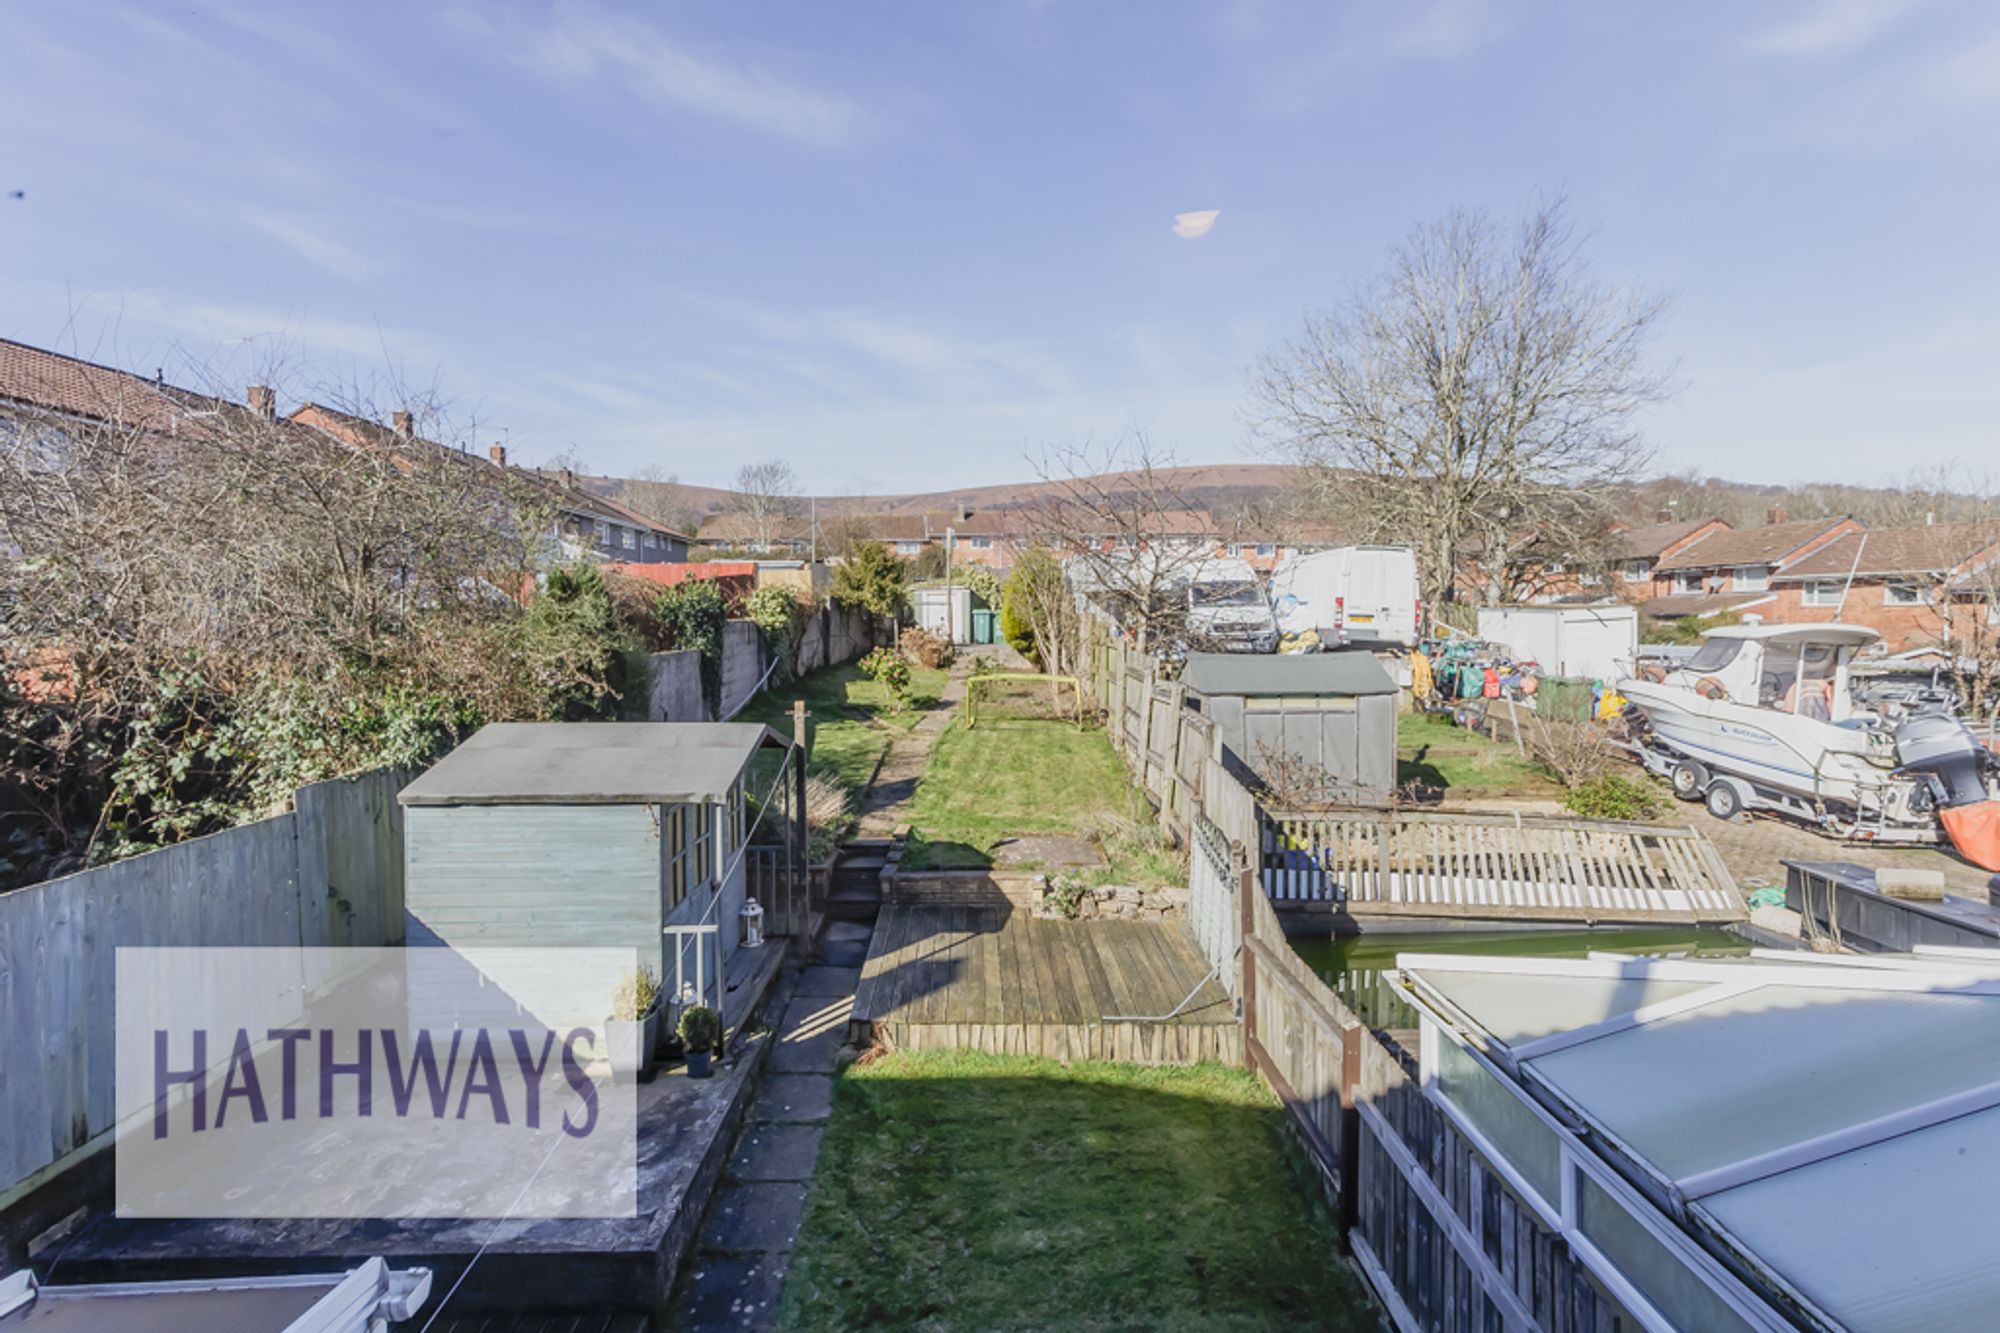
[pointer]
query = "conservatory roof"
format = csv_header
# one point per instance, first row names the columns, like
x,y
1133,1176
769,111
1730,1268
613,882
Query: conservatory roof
x,y
1834,1120
593,763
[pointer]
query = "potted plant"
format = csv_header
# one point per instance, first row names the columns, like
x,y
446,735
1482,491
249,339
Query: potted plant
x,y
632,1032
701,1033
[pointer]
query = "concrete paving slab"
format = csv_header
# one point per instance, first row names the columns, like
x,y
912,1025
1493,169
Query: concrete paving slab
x,y
793,1098
755,1215
734,1291
823,980
807,1055
777,1152
847,932
811,1015
852,954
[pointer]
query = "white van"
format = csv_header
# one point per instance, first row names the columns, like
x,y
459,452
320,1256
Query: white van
x,y
1363,596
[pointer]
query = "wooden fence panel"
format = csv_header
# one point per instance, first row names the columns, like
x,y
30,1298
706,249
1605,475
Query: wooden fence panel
x,y
268,883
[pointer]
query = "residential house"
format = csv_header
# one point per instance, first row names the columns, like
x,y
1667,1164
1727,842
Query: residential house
x,y
1733,569
1918,587
737,533
586,526
1262,547
1638,549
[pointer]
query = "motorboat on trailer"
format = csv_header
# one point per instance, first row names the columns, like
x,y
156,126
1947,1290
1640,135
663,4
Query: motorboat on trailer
x,y
1764,717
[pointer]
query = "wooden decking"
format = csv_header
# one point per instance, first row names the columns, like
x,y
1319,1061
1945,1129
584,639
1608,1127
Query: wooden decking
x,y
1004,982
1497,867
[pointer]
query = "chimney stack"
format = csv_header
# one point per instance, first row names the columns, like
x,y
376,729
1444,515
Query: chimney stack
x,y
498,453
1773,517
568,478
1663,516
264,401
403,423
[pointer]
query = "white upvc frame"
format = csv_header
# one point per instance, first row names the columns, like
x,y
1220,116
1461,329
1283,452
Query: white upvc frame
x,y
1564,1218
1936,967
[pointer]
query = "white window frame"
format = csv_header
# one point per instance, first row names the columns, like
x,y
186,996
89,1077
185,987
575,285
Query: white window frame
x,y
652,540
1266,548
1563,1215
1821,592
909,548
628,538
1750,578
1689,583
601,530
1903,592
980,543
1636,571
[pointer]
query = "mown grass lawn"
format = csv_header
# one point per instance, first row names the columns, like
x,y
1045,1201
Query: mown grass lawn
x,y
964,1191
1011,777
1432,751
841,703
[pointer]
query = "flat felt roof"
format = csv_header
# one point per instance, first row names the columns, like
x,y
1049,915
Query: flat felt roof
x,y
592,763
1286,673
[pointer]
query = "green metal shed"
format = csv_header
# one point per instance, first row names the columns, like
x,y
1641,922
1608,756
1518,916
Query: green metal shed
x,y
586,834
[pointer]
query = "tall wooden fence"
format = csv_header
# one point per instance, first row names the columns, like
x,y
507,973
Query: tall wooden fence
x,y
1416,1199
329,873
1174,753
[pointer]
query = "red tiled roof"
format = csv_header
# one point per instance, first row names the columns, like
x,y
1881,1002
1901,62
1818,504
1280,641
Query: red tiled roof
x,y
1768,545
1937,549
49,380
1652,540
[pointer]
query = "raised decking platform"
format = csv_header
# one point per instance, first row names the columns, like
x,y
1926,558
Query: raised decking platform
x,y
999,980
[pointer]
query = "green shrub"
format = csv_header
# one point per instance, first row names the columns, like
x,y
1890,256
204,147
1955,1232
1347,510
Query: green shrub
x,y
889,669
700,1028
1614,796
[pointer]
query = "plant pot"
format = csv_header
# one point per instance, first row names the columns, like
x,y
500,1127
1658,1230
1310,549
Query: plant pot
x,y
700,1064
633,1046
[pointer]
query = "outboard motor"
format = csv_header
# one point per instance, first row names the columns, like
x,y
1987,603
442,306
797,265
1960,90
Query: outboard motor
x,y
1933,744
1932,741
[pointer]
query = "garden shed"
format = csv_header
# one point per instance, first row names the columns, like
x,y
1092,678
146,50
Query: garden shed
x,y
1333,711
599,834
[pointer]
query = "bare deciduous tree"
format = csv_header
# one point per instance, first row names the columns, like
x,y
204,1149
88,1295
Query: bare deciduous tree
x,y
1447,404
1127,536
766,497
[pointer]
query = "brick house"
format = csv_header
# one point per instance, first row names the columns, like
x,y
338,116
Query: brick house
x,y
587,526
1638,549
1733,569
1918,587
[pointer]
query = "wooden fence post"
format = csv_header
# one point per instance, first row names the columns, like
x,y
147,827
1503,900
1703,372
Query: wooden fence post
x,y
803,831
1246,886
1349,1178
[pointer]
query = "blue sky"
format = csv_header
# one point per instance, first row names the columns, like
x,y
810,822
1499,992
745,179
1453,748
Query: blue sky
x,y
904,245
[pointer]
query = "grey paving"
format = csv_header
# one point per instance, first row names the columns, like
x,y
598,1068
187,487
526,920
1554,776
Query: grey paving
x,y
752,1216
747,1238
777,1152
793,1098
828,981
736,1291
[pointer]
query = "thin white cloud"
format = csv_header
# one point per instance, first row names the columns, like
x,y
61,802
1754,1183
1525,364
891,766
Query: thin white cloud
x,y
1971,74
318,248
1828,26
1194,226
585,43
